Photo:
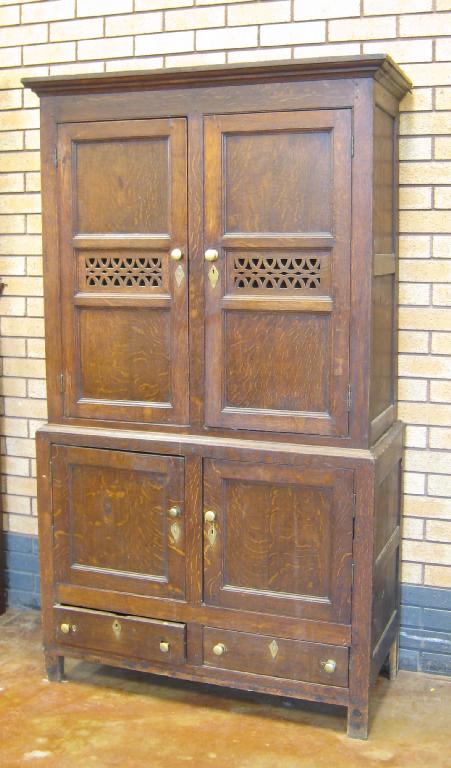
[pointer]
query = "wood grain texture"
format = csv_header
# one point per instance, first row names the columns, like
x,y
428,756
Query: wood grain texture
x,y
285,372
272,550
259,395
285,659
112,526
124,201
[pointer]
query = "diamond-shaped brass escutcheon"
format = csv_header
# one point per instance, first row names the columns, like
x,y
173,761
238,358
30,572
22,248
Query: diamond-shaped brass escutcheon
x,y
273,648
213,276
179,275
117,627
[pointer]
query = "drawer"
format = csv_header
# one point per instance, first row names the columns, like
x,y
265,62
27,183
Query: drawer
x,y
275,656
130,636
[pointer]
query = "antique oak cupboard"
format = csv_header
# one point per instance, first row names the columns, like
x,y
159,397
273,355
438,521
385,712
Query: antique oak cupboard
x,y
219,481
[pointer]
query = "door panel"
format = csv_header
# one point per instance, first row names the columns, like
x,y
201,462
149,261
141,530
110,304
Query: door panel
x,y
277,210
112,524
123,189
280,541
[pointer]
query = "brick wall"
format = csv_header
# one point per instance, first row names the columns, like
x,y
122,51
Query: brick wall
x,y
69,36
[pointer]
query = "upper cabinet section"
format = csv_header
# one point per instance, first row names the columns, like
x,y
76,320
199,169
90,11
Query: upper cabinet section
x,y
220,249
122,213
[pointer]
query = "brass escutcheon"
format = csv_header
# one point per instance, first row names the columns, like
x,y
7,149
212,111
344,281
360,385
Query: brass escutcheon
x,y
117,627
175,531
213,276
179,275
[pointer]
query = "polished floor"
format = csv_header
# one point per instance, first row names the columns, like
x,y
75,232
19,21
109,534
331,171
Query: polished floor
x,y
104,717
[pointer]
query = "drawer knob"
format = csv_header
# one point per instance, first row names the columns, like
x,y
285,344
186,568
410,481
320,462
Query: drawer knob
x,y
176,254
329,666
175,511
66,628
164,646
210,516
219,649
211,254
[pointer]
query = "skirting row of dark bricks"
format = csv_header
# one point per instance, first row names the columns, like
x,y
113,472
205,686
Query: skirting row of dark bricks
x,y
425,639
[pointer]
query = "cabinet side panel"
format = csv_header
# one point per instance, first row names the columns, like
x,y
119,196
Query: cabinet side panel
x,y
384,281
387,539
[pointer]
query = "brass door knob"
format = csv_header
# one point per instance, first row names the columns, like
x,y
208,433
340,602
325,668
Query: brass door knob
x,y
176,254
210,516
174,511
329,666
219,649
211,254
66,628
164,646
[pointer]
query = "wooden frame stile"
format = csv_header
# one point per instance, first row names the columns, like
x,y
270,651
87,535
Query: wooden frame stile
x,y
214,553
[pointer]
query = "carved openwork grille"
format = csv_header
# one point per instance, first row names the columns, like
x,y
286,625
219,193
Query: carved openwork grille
x,y
285,272
123,271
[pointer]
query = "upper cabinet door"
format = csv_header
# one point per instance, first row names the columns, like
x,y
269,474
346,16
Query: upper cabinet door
x,y
123,211
277,212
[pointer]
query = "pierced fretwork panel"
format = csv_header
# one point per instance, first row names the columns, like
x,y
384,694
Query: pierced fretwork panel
x,y
135,270
284,271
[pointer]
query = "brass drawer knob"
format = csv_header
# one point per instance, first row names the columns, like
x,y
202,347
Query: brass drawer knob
x,y
219,649
329,666
210,516
164,646
176,254
211,254
67,628
174,511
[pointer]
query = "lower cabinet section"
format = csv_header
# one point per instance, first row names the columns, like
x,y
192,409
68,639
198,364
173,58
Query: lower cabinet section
x,y
131,637
266,570
276,657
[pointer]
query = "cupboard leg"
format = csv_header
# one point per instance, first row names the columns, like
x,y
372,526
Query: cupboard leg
x,y
357,722
393,659
54,666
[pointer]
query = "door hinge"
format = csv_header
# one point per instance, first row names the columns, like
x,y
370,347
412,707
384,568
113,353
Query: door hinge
x,y
354,501
352,574
349,397
62,383
352,145
55,157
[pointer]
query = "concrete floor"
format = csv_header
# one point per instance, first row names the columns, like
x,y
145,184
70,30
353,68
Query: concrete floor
x,y
109,717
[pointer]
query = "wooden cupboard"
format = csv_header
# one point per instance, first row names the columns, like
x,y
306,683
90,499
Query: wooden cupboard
x,y
219,481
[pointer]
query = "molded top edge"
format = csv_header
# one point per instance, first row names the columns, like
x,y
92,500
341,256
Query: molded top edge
x,y
378,66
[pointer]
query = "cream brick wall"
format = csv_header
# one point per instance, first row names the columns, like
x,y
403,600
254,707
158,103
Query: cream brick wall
x,y
40,37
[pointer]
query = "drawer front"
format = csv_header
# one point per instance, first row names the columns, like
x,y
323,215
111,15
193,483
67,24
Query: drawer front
x,y
276,657
130,636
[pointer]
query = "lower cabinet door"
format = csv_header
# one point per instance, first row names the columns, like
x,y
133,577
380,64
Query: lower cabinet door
x,y
278,539
276,656
129,636
118,521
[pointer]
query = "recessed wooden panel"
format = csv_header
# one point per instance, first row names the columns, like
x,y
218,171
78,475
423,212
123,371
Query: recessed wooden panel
x,y
278,534
278,181
106,500
125,354
112,524
382,384
277,361
122,185
280,541
383,182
